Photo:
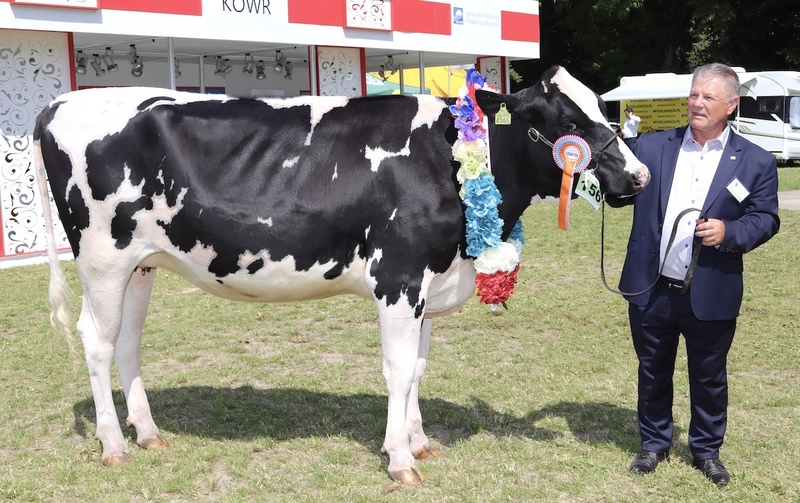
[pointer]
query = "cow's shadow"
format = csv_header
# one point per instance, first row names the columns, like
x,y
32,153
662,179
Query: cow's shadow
x,y
247,413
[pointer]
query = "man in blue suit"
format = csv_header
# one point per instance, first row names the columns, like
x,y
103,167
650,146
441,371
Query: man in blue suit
x,y
698,280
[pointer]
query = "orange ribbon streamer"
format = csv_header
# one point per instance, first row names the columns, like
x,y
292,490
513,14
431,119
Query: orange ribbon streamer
x,y
566,195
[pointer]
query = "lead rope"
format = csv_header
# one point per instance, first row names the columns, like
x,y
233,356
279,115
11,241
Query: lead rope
x,y
689,273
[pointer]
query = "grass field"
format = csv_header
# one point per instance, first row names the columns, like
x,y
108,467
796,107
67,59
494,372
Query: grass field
x,y
286,402
789,178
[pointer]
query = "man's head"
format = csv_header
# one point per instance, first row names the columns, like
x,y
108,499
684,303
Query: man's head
x,y
713,97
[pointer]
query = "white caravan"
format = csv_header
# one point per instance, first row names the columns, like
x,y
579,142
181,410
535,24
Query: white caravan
x,y
768,113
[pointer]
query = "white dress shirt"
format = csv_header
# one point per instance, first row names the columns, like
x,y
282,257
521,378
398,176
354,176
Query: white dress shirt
x,y
630,129
693,174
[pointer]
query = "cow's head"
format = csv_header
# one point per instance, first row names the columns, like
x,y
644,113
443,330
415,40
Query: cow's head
x,y
557,105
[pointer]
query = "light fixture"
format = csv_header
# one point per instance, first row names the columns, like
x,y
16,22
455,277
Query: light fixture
x,y
390,65
249,64
280,61
387,69
260,67
223,68
288,70
80,63
97,65
108,59
137,65
177,68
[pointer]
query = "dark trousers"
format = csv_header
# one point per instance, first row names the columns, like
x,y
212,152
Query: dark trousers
x,y
655,329
630,141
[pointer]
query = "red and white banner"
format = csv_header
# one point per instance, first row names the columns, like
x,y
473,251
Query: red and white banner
x,y
501,27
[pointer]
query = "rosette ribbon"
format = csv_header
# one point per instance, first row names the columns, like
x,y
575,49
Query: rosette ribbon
x,y
572,155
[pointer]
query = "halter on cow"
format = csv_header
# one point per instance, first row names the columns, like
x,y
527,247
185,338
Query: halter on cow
x,y
288,199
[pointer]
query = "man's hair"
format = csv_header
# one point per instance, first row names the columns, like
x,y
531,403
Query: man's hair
x,y
729,78
628,109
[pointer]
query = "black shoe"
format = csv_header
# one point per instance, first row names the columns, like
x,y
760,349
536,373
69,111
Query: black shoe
x,y
646,461
713,469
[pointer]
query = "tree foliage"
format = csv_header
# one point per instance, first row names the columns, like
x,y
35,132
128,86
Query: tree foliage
x,y
601,41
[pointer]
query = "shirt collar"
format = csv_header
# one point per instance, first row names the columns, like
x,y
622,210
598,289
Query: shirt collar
x,y
715,143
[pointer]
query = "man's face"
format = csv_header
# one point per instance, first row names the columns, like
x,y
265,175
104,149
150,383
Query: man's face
x,y
708,108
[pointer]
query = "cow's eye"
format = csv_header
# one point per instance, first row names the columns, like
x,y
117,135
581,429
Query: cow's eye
x,y
570,126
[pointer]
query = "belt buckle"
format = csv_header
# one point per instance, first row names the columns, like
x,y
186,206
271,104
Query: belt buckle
x,y
672,283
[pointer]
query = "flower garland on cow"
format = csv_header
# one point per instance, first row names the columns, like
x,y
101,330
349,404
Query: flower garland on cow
x,y
496,261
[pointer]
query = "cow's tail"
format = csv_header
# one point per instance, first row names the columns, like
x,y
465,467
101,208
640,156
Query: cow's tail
x,y
59,289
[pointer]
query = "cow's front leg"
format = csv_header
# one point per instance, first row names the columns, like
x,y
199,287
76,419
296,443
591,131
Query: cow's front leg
x,y
400,338
128,350
419,444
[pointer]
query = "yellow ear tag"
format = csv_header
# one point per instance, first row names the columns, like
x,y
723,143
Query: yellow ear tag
x,y
503,116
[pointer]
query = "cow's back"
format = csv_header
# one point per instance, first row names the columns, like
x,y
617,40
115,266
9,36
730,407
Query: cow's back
x,y
231,191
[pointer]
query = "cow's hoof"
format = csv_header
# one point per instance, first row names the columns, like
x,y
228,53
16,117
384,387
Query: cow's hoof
x,y
409,477
118,459
153,443
426,452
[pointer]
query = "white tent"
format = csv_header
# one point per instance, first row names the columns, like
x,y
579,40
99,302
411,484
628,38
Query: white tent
x,y
653,86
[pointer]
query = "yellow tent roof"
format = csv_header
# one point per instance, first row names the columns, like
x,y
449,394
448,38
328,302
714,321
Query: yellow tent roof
x,y
440,80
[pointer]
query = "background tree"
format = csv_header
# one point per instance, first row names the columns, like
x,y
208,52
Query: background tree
x,y
601,41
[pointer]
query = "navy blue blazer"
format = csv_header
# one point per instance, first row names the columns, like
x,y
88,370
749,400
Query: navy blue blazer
x,y
717,286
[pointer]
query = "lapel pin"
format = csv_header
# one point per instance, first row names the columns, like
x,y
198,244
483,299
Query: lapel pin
x,y
733,158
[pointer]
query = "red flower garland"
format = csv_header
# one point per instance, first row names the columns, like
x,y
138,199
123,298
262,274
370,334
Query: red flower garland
x,y
496,288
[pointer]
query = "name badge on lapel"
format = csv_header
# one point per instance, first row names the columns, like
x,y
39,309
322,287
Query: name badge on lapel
x,y
738,190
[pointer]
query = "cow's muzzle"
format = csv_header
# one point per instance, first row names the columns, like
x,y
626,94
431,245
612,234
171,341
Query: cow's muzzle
x,y
641,177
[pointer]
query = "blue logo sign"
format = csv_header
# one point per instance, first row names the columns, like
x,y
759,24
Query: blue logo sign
x,y
458,15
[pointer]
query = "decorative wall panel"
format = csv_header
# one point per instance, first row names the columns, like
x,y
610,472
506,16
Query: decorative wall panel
x,y
34,69
369,14
491,68
340,71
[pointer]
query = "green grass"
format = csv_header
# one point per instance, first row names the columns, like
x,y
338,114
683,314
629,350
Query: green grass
x,y
789,178
286,402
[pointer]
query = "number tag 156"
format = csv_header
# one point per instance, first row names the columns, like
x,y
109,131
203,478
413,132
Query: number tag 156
x,y
589,188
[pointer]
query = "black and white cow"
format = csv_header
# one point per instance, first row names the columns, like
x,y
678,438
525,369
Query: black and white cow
x,y
289,199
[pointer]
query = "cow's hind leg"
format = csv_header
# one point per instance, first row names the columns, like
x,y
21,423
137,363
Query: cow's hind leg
x,y
128,350
400,338
98,326
420,446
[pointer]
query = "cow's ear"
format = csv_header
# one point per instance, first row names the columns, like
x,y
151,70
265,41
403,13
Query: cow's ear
x,y
490,101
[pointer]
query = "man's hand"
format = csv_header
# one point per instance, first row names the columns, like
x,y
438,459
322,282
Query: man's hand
x,y
712,231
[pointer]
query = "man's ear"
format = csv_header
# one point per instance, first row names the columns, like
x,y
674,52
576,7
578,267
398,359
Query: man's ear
x,y
733,104
490,102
